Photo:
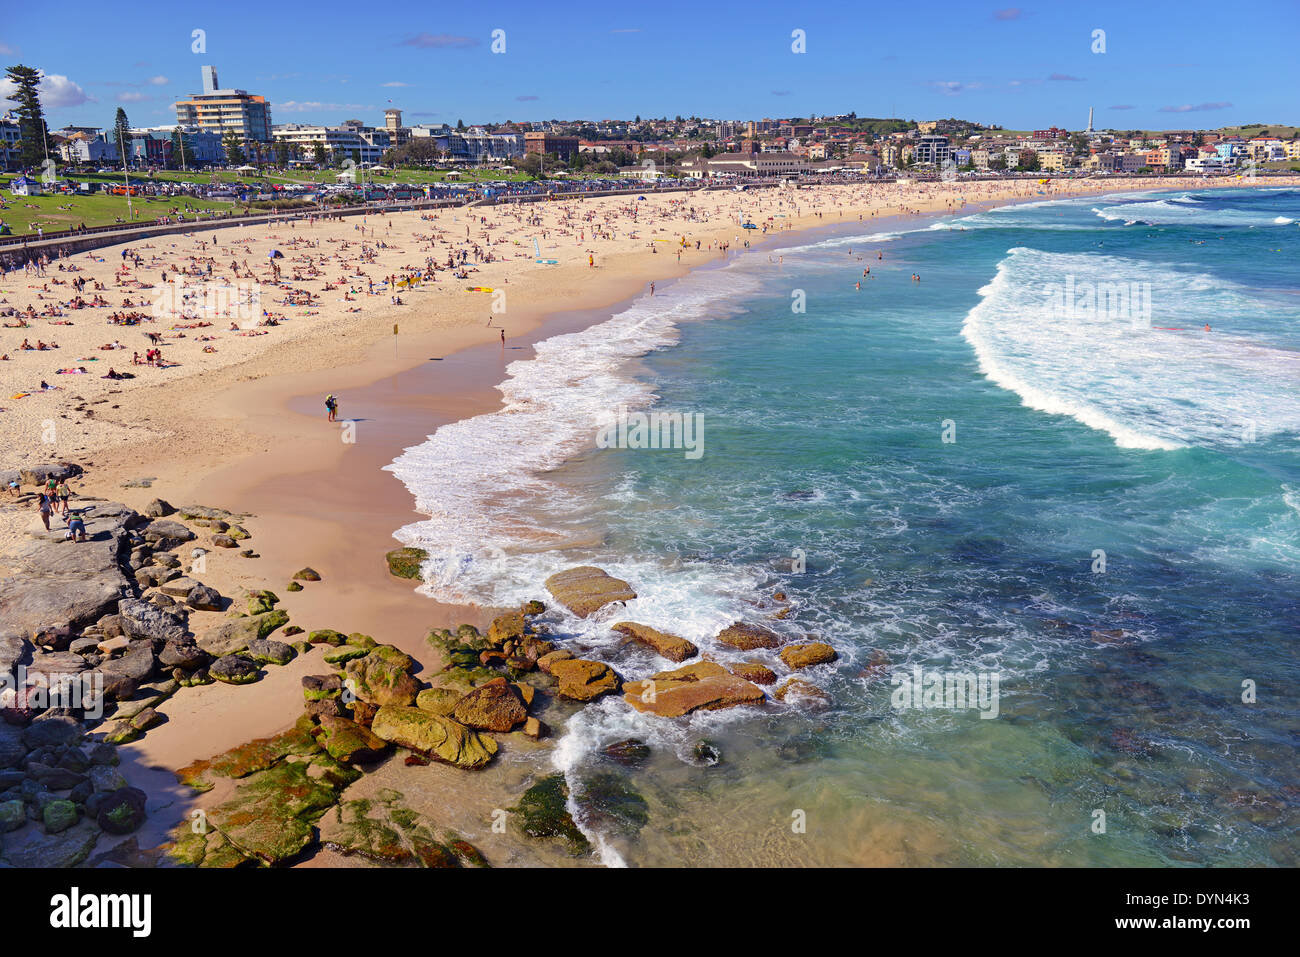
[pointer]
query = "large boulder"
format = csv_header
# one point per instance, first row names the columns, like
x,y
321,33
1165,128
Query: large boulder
x,y
144,619
163,535
204,598
40,474
183,653
807,654
583,680
669,646
14,650
704,686
747,637
234,670
121,811
494,706
383,677
434,735
406,562
237,634
265,651
122,676
587,589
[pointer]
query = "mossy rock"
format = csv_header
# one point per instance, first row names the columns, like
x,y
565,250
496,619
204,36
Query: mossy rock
x,y
262,601
307,575
385,832
327,636
359,640
293,586
438,700
292,630
344,653
608,802
250,757
543,812
406,562
531,608
58,815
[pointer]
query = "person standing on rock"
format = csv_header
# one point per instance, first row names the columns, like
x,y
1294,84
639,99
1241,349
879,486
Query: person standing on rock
x,y
45,502
64,493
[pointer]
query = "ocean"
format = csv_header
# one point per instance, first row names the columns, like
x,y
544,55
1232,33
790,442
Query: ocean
x,y
1035,467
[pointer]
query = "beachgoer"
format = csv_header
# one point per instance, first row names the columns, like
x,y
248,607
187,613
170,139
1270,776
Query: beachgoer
x,y
46,505
331,408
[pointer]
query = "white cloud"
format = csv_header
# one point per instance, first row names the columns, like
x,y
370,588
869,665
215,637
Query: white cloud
x,y
131,96
395,83
159,80
56,91
7,50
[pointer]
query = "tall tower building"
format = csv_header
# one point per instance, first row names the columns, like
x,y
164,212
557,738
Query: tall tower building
x,y
210,79
1089,120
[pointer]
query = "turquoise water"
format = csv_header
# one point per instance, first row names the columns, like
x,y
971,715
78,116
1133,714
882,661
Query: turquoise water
x,y
950,458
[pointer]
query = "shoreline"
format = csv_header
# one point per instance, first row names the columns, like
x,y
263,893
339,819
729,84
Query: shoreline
x,y
330,505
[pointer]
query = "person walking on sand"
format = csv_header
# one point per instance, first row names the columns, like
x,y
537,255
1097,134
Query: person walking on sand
x,y
331,408
503,338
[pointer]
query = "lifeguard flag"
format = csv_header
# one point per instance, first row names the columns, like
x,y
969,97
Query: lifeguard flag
x,y
394,328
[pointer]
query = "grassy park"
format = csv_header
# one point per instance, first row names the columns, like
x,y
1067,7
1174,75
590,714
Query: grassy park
x,y
24,214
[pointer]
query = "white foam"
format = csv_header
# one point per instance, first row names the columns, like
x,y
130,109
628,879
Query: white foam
x,y
1148,388
1177,212
493,513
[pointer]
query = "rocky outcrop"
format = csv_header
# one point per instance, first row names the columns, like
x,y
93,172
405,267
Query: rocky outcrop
x,y
435,735
587,589
59,584
387,832
703,686
583,680
669,646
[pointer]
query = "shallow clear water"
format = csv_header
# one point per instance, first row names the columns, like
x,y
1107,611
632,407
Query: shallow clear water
x,y
950,458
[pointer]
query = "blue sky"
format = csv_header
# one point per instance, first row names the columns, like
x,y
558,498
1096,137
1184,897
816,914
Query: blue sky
x,y
1165,65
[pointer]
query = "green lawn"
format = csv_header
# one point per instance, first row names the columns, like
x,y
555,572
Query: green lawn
x,y
23,214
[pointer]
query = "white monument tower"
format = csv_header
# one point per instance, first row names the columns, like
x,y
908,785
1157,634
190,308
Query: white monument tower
x,y
1089,130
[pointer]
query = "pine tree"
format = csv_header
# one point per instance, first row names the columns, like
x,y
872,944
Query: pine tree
x,y
32,131
122,135
234,148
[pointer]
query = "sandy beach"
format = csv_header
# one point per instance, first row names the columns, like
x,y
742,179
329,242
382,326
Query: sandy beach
x,y
233,415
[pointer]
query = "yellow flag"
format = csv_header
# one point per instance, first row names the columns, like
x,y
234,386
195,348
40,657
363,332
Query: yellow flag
x,y
394,328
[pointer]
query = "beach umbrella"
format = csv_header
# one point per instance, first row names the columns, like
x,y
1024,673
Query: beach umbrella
x,y
275,254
